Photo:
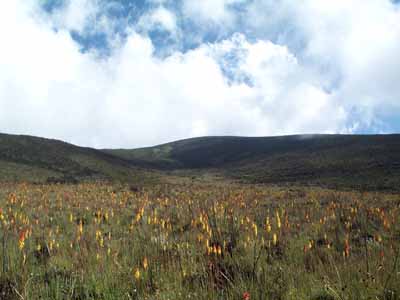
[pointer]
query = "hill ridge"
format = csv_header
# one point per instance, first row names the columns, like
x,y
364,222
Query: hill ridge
x,y
361,161
337,160
55,159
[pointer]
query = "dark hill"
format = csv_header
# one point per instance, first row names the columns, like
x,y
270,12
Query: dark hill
x,y
356,161
39,159
348,161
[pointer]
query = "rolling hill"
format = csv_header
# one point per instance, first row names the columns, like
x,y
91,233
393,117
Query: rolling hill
x,y
28,158
340,161
354,161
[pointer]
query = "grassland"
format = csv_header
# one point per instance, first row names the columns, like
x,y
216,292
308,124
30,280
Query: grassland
x,y
197,241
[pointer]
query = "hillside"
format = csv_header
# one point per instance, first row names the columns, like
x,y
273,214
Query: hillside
x,y
354,161
369,162
27,158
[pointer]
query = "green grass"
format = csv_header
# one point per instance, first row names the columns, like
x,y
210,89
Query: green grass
x,y
168,226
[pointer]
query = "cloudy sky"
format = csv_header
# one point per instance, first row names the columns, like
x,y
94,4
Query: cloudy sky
x,y
131,73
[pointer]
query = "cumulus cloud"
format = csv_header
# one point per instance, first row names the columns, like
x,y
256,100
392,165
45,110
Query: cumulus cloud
x,y
235,86
215,11
76,15
353,45
159,18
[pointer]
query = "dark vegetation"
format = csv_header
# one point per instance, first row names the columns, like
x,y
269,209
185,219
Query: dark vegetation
x,y
27,158
363,162
345,161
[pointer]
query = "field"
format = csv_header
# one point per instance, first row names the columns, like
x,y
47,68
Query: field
x,y
197,241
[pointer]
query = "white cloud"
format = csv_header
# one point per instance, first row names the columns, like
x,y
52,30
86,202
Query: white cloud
x,y
47,86
236,86
159,18
288,96
353,45
215,11
87,18
76,15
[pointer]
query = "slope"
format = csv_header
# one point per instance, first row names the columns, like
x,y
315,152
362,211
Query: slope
x,y
355,161
39,159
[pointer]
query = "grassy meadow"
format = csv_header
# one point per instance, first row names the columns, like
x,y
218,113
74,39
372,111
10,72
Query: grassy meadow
x,y
197,241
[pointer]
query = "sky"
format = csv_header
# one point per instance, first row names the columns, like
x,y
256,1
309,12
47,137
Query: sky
x,y
134,73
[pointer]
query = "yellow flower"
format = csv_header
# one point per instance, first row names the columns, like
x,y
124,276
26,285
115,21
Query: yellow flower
x,y
219,250
80,228
268,225
21,241
145,263
255,229
378,238
275,239
278,220
136,273
21,244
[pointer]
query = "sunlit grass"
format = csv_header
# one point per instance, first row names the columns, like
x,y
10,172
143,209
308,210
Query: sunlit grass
x,y
101,241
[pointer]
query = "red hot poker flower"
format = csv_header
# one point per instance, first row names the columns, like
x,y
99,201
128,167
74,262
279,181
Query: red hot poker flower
x,y
246,296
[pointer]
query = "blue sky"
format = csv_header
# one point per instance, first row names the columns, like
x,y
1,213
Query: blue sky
x,y
131,73
127,14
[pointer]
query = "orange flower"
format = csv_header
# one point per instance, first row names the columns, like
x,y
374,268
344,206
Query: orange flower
x,y
21,241
145,263
346,248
